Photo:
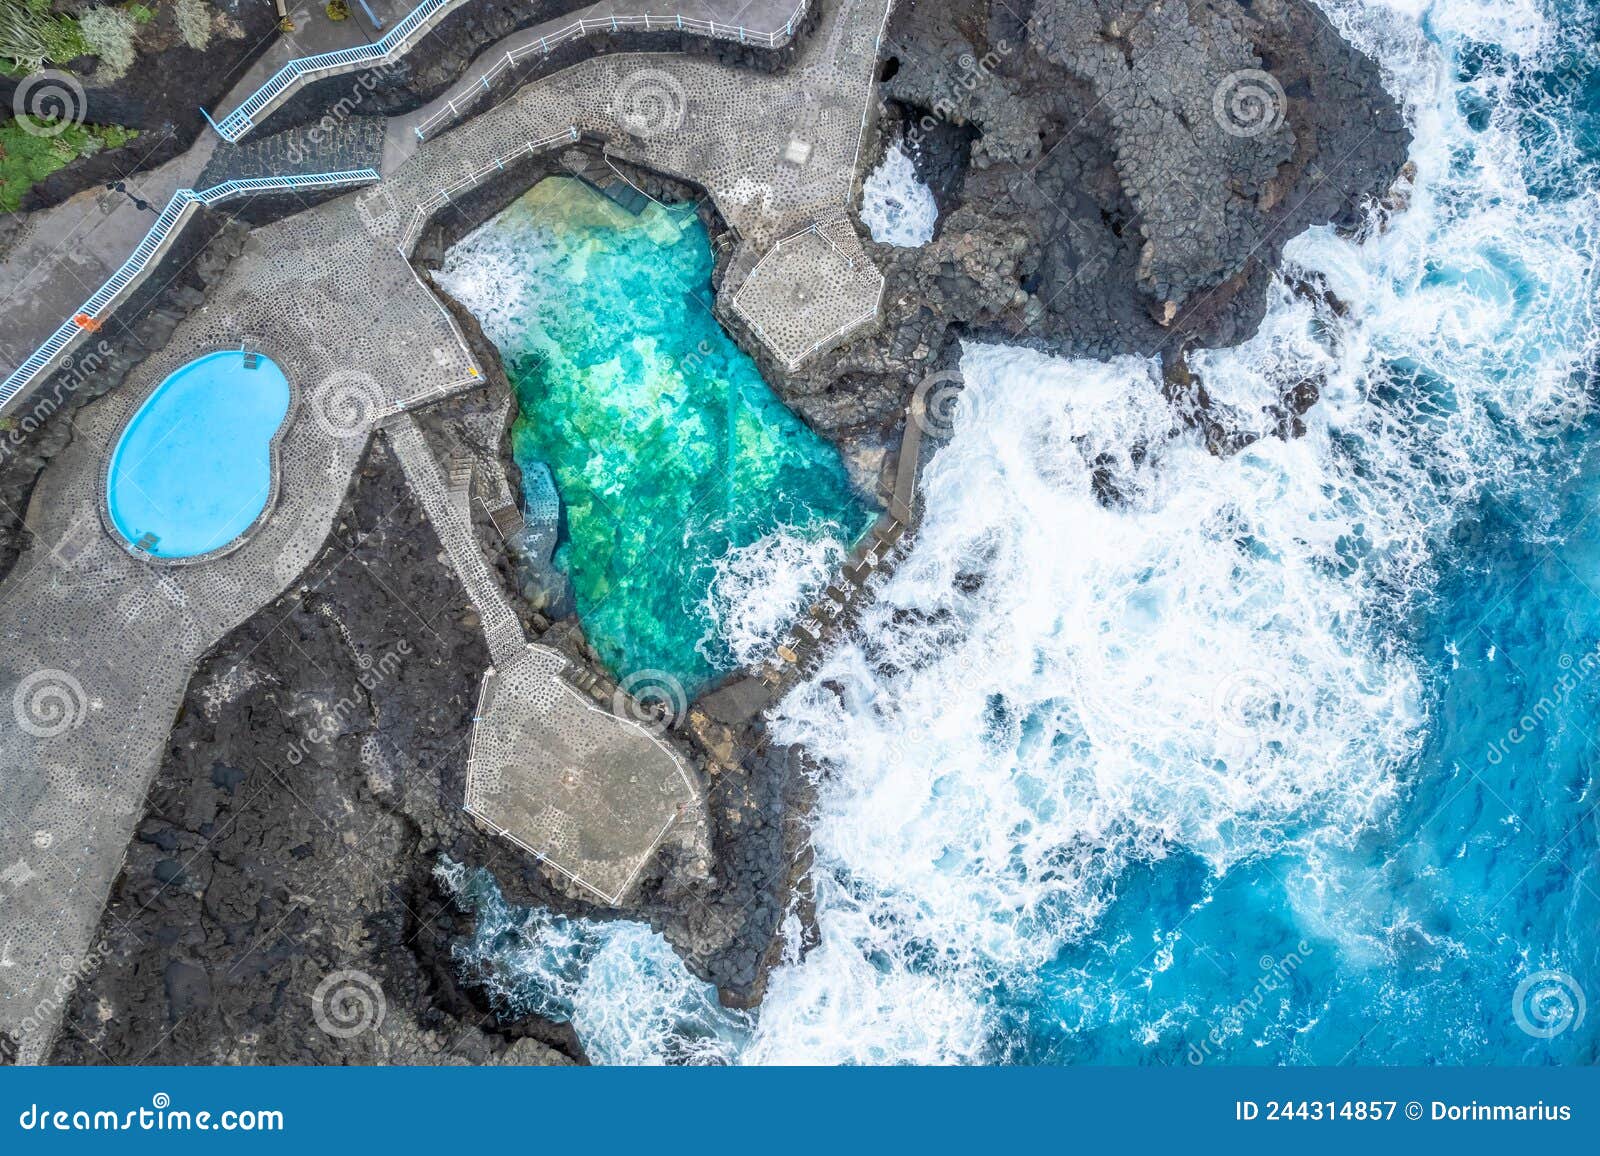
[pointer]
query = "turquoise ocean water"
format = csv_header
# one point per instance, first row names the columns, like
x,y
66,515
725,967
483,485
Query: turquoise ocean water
x,y
1291,759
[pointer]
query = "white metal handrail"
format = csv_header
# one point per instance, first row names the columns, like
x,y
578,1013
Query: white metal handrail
x,y
166,227
242,119
583,27
427,208
398,41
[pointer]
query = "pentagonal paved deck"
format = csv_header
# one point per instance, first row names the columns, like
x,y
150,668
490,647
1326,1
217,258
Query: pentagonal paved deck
x,y
590,793
809,290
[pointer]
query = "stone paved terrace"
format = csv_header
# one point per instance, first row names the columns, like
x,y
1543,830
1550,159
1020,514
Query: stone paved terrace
x,y
450,513
764,20
776,153
810,288
591,794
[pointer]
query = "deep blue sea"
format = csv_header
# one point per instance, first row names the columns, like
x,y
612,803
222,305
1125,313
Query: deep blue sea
x,y
1290,759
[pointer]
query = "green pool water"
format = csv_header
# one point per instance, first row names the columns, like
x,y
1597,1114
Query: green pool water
x,y
691,494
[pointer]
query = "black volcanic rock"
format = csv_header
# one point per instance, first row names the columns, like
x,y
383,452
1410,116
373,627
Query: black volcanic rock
x,y
1112,178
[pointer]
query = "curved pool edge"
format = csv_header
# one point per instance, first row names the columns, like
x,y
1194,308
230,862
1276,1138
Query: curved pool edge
x,y
134,404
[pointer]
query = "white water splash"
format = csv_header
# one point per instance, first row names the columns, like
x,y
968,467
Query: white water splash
x,y
895,205
1194,669
761,590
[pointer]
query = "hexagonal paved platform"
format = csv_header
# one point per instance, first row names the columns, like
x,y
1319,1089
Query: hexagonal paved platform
x,y
591,794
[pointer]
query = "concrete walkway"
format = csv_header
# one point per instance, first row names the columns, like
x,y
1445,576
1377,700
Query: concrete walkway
x,y
764,18
64,253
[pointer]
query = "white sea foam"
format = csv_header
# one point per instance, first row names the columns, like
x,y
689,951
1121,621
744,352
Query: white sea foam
x,y
1052,689
1194,669
488,272
760,590
895,205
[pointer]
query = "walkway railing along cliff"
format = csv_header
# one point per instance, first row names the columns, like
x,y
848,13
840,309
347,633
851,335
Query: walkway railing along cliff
x,y
426,15
578,28
155,243
426,209
292,75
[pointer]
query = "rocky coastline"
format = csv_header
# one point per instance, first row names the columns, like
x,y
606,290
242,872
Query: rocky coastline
x,y
1077,215
1112,178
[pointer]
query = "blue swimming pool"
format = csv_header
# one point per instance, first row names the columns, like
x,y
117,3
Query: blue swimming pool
x,y
193,468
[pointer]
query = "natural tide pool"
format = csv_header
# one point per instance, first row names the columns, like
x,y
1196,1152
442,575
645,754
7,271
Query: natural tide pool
x,y
699,513
193,468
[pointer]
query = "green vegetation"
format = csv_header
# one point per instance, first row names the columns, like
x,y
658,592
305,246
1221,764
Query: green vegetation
x,y
194,22
140,14
338,10
26,159
109,33
31,34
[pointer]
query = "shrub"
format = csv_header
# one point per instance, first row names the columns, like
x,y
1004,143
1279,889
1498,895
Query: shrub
x,y
26,159
338,10
194,22
30,35
109,33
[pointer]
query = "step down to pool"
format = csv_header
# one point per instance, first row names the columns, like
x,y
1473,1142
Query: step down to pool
x,y
147,541
619,193
252,360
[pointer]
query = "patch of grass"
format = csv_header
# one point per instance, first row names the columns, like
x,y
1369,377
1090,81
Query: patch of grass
x,y
25,159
